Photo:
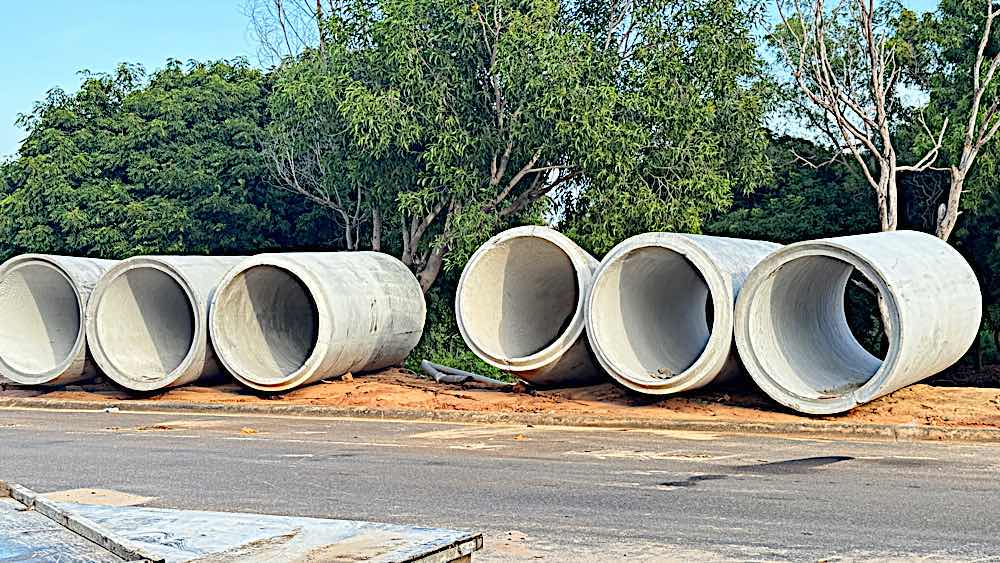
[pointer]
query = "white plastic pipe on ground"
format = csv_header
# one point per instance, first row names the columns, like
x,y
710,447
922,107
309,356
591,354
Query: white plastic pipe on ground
x,y
43,300
792,331
147,321
520,306
660,314
279,321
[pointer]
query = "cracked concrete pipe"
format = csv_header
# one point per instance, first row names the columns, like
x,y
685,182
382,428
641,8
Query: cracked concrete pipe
x,y
792,331
660,314
43,300
279,321
520,303
147,321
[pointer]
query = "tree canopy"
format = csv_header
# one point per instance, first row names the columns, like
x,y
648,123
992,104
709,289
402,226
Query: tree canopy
x,y
425,126
130,164
802,202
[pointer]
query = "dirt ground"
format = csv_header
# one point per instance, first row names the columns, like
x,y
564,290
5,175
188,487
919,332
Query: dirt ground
x,y
937,405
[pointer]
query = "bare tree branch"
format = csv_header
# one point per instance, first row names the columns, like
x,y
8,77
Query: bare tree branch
x,y
860,111
300,165
979,130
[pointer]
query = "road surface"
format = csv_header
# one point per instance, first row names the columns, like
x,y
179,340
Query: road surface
x,y
539,494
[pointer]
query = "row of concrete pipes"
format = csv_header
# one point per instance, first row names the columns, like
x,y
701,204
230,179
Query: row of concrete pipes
x,y
665,313
273,321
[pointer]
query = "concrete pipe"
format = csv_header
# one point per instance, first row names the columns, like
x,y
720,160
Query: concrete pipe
x,y
279,321
42,304
660,315
520,303
147,321
792,331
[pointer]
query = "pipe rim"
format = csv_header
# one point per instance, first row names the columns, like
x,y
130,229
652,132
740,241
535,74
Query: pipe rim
x,y
574,330
745,338
712,360
324,329
104,360
48,376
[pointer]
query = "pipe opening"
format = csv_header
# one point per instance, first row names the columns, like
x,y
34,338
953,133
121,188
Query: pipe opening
x,y
145,324
519,297
268,322
799,322
41,318
655,312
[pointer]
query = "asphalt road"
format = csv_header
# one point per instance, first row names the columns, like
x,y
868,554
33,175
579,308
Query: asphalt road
x,y
550,494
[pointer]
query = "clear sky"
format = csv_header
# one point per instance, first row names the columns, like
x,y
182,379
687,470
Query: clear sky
x,y
45,43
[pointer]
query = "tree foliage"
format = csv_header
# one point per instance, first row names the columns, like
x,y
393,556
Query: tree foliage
x,y
425,126
130,164
955,58
802,202
697,98
941,51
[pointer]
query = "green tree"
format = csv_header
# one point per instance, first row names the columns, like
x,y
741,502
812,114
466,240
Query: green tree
x,y
802,202
953,55
424,126
165,164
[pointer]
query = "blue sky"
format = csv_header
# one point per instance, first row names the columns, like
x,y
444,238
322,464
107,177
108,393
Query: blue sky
x,y
44,44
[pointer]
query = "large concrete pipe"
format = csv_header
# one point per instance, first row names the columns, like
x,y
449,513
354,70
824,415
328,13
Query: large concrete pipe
x,y
792,331
43,300
279,321
520,306
147,321
660,314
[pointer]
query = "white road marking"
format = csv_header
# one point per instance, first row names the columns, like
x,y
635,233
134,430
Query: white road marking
x,y
477,447
650,455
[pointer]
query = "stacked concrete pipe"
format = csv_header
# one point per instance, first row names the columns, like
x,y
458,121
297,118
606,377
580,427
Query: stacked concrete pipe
x,y
520,306
279,321
43,300
792,331
147,321
647,314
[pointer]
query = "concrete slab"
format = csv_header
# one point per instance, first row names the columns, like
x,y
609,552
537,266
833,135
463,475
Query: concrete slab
x,y
29,536
184,535
64,531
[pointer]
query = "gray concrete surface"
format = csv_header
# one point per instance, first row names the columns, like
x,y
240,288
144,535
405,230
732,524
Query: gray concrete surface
x,y
539,493
648,313
520,306
147,320
30,536
279,321
792,331
34,528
